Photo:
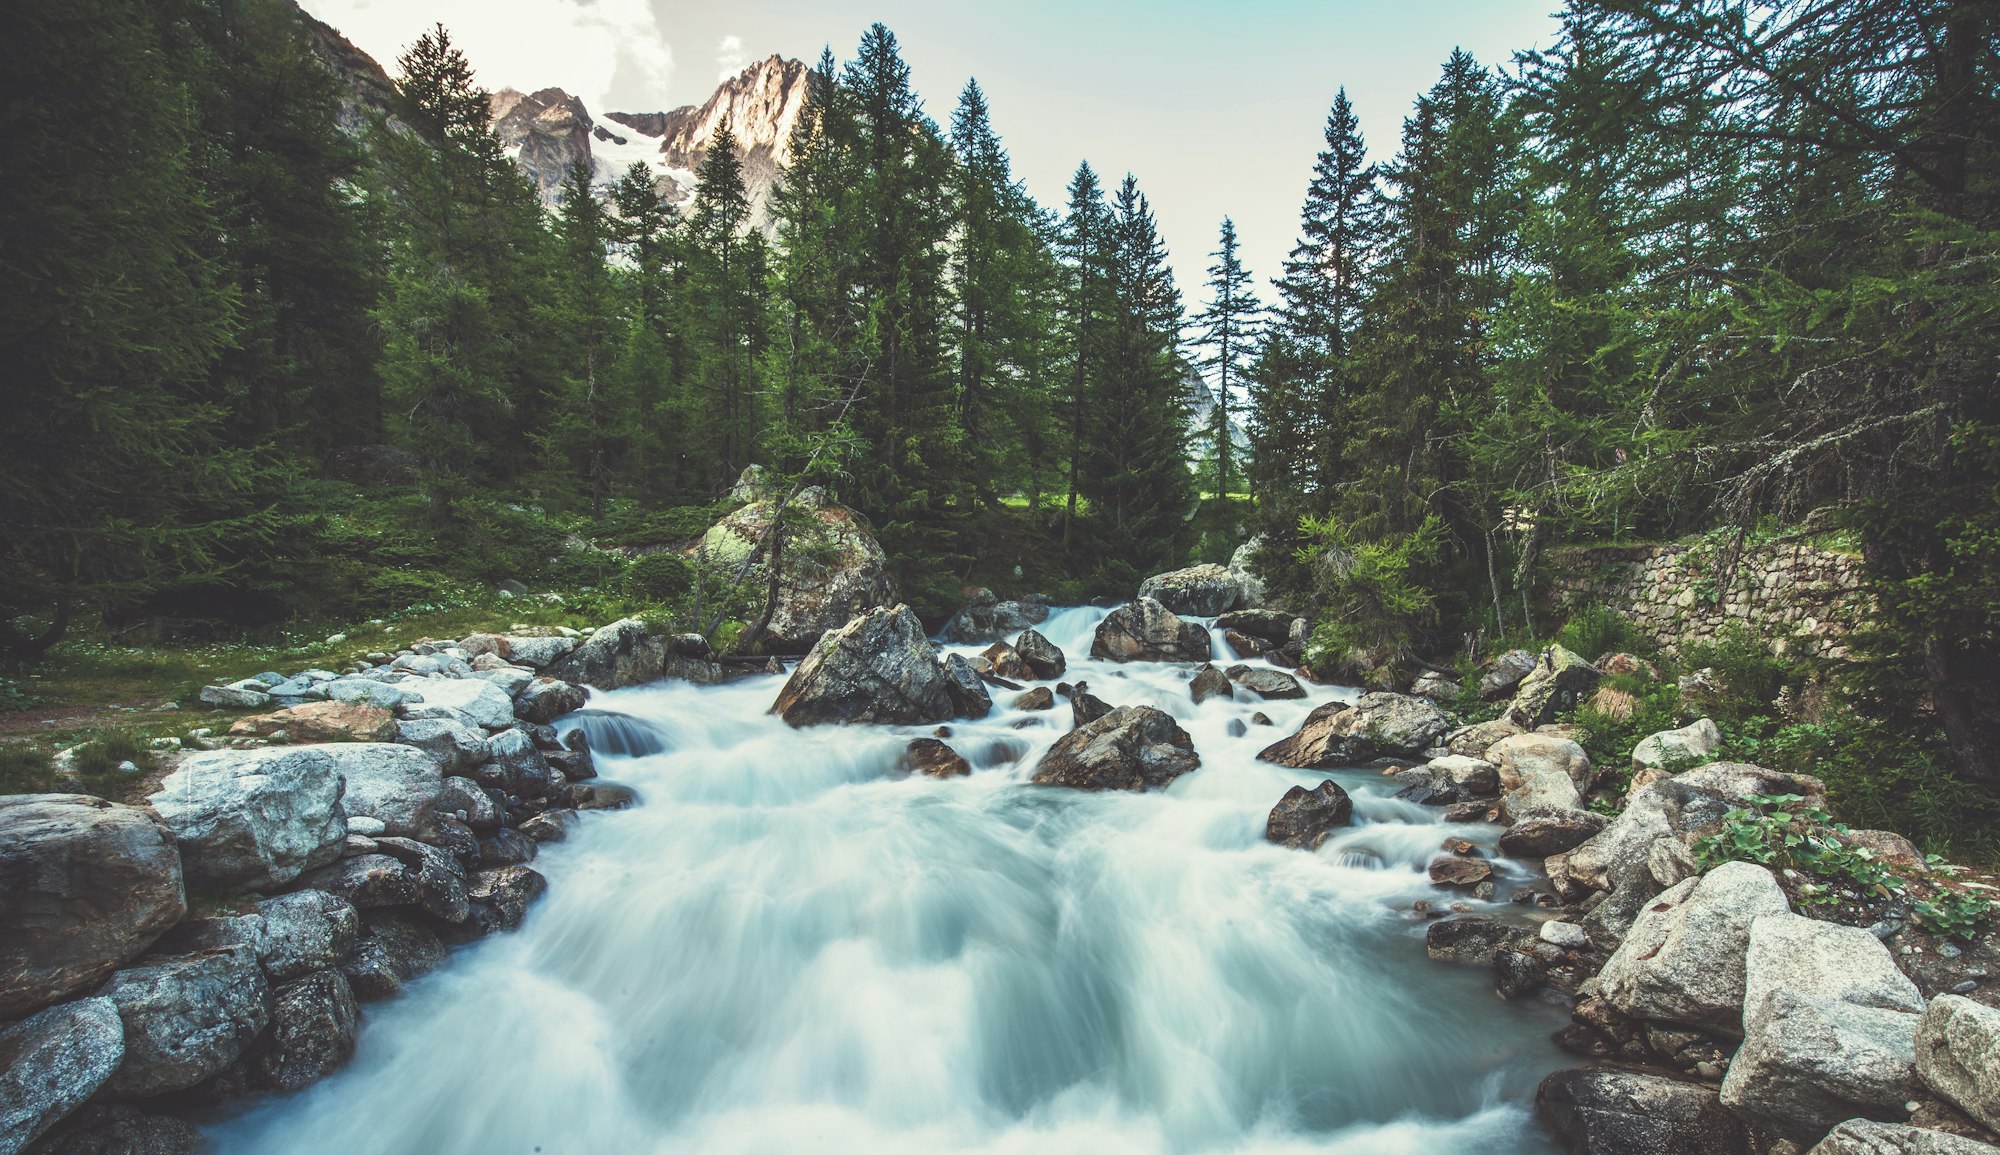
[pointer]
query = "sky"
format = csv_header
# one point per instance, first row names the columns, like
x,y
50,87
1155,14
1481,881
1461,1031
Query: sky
x,y
1217,108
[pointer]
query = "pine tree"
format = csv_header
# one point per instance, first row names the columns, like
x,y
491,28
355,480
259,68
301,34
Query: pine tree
x,y
589,423
726,311
1230,325
1085,247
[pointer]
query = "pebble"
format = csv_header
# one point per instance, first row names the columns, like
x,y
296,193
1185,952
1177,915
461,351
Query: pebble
x,y
1965,988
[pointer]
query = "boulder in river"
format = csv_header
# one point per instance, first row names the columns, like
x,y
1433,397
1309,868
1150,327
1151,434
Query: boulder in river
x,y
120,1129
1007,662
877,668
1593,1111
1130,748
254,818
1867,1137
629,653
1303,818
394,948
1044,658
313,1024
85,885
986,618
1210,682
1378,725
932,757
1201,591
186,1018
1271,627
969,695
545,699
1274,685
850,574
51,1062
1147,631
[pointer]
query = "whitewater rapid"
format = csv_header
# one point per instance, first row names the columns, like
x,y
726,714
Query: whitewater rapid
x,y
790,947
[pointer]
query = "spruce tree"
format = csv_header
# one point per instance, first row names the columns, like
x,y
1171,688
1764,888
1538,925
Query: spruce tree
x,y
726,312
589,420
1230,324
1085,247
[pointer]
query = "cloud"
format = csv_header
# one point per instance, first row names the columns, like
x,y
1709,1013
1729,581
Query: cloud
x,y
589,48
729,59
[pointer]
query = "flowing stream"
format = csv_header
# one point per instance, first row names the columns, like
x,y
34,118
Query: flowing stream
x,y
790,947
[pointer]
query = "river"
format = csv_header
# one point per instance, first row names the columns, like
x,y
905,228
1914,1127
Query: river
x,y
788,947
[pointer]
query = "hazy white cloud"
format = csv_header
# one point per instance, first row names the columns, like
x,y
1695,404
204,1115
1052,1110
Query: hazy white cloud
x,y
729,59
590,48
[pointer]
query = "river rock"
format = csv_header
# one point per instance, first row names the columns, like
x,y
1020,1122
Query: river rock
x,y
368,881
1808,1062
1043,657
1540,771
1201,591
331,721
1559,681
1611,1112
1475,740
969,696
470,700
1085,706
1683,808
1039,698
932,757
254,818
51,1061
1271,627
1472,941
849,574
501,897
550,825
1475,777
1456,870
186,1018
627,653
463,796
1267,684
454,745
1210,682
1958,1056
396,784
393,950
85,885
313,1023
119,1129
439,880
877,668
1378,725
1008,663
1825,960
1867,1137
538,652
1130,748
1500,676
546,699
1303,818
1684,958
986,618
1540,832
1147,631
304,931
518,768
1695,742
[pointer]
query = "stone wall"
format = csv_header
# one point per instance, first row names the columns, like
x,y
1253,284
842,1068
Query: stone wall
x,y
1798,597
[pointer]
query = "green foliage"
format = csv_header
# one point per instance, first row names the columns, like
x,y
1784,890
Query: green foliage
x,y
25,770
1957,913
661,577
1372,602
1595,630
102,756
1750,675
1779,830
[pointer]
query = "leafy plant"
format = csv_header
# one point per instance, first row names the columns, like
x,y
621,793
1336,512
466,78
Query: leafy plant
x,y
1595,630
1956,913
1778,830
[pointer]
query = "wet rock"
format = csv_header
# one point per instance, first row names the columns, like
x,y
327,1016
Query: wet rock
x,y
1244,645
501,897
986,618
118,1129
506,848
1303,818
1130,748
1271,627
1378,725
1086,707
1452,870
1043,657
1867,1137
1210,682
1267,684
1538,833
455,746
546,699
367,881
550,825
1958,1056
602,796
1504,673
626,653
1540,771
437,876
331,721
932,757
1472,941
313,1024
1473,741
394,949
1517,973
1201,591
969,696
1260,718
253,818
877,668
396,784
463,796
1610,1112
1683,960
1147,631
1007,662
304,931
1039,698
1559,682
186,1018
1677,749
518,767
51,1062
85,885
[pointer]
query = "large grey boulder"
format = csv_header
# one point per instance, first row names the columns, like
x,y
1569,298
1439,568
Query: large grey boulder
x,y
52,1061
1378,725
394,949
1808,1062
1611,1112
1867,1137
313,1024
986,618
1540,771
1130,748
1560,681
254,818
85,885
471,700
1683,960
186,1018
536,652
543,700
1147,631
1695,742
1043,656
454,745
627,653
1272,685
1538,833
1201,591
388,781
1683,809
1303,818
1475,740
969,696
304,931
1504,673
878,668
849,574
1958,1056
1825,960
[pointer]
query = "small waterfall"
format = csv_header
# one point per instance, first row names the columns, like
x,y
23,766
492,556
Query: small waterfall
x,y
619,735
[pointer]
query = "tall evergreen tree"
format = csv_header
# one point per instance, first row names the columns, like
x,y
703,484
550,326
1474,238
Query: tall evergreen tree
x,y
1085,246
1230,323
726,311
589,419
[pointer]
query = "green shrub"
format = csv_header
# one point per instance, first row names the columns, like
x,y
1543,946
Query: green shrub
x,y
1780,830
25,770
1750,675
1594,631
102,756
661,577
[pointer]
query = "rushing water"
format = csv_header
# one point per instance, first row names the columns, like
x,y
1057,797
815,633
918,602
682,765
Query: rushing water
x,y
789,947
